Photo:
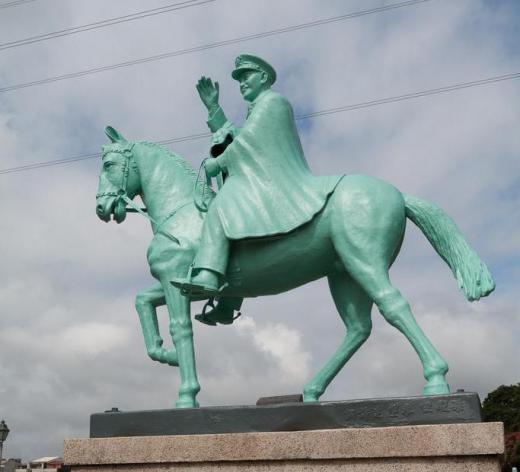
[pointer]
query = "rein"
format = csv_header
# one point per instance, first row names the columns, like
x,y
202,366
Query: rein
x,y
202,206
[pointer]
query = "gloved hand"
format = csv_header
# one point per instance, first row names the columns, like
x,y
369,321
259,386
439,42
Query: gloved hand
x,y
211,167
208,92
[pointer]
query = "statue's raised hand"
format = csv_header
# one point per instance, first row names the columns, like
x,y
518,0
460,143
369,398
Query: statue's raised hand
x,y
208,92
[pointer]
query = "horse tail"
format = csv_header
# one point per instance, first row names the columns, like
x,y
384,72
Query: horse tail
x,y
474,278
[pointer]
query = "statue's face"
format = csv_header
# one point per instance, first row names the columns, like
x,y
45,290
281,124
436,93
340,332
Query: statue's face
x,y
252,83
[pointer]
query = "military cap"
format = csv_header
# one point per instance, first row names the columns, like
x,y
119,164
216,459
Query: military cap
x,y
248,62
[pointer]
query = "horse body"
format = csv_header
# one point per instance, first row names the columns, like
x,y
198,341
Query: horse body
x,y
352,241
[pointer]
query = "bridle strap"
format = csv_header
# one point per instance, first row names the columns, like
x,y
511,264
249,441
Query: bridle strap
x,y
136,208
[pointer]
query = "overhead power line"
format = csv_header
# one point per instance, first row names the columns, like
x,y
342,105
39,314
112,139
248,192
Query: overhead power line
x,y
103,23
181,52
315,114
14,3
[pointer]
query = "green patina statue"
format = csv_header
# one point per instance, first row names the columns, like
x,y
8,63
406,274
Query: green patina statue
x,y
272,226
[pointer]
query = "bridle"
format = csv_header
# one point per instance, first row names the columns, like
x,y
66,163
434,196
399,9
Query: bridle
x,y
121,193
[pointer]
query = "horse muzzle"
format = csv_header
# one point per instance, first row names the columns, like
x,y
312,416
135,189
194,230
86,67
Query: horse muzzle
x,y
104,208
108,206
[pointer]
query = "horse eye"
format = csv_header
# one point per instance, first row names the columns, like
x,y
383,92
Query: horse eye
x,y
108,164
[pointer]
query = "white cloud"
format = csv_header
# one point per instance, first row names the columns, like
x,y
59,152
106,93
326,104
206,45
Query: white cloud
x,y
92,338
283,345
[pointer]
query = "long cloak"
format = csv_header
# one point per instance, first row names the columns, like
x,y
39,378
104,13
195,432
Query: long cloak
x,y
269,188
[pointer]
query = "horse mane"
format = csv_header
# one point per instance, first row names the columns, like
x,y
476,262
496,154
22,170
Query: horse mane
x,y
182,163
178,159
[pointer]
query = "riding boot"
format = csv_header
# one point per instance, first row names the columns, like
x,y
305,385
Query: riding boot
x,y
209,266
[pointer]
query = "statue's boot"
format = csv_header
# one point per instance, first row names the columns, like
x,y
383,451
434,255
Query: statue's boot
x,y
223,313
205,283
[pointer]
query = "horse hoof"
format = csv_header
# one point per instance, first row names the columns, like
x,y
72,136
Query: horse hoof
x,y
187,403
436,387
310,397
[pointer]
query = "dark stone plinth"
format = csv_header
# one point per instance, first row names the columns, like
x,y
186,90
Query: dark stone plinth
x,y
377,412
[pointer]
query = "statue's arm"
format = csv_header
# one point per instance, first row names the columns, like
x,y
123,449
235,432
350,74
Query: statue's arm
x,y
209,94
217,119
223,130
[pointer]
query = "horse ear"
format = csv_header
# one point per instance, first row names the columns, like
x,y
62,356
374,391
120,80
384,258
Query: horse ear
x,y
114,135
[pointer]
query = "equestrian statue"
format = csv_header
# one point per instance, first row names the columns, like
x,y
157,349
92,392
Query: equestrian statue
x,y
271,226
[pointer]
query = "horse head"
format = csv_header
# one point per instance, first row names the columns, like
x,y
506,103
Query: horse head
x,y
119,178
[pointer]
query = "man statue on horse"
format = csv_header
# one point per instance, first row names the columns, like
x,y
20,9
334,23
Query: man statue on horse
x,y
268,188
286,228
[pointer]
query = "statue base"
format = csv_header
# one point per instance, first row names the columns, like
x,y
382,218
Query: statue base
x,y
440,409
474,447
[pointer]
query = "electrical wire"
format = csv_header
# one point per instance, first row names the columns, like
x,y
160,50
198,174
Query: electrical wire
x,y
315,114
14,3
104,23
181,52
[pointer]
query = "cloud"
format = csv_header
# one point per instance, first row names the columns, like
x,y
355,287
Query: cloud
x,y
283,345
92,339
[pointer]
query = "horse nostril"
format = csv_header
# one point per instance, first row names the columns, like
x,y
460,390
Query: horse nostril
x,y
99,209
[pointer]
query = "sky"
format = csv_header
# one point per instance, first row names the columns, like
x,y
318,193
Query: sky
x,y
70,341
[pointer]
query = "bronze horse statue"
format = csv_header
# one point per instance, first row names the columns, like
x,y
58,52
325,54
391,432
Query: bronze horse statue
x,y
353,241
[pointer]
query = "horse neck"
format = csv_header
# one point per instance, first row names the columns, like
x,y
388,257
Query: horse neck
x,y
167,180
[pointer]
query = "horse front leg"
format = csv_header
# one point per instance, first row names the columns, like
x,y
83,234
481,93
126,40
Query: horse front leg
x,y
182,336
146,304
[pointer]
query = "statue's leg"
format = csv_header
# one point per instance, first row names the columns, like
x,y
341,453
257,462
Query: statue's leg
x,y
396,310
354,307
146,303
367,230
182,335
209,265
213,250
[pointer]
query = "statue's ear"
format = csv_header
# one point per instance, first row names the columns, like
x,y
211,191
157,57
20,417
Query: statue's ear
x,y
114,135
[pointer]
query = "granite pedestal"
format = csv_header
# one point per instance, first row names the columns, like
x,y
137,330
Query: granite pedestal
x,y
357,436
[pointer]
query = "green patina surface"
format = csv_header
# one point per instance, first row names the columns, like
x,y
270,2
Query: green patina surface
x,y
272,226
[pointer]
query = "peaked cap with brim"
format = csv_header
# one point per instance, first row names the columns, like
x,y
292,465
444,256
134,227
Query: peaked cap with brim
x,y
249,62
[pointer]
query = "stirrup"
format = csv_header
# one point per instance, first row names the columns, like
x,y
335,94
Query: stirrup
x,y
213,320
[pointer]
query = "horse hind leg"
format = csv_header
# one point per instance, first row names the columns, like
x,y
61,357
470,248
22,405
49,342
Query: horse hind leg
x,y
354,307
396,310
366,233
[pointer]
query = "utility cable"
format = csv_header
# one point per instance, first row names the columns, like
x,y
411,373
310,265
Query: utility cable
x,y
103,23
14,3
315,114
227,42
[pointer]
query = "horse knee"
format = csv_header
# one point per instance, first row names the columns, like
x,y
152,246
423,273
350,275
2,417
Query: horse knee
x,y
181,330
